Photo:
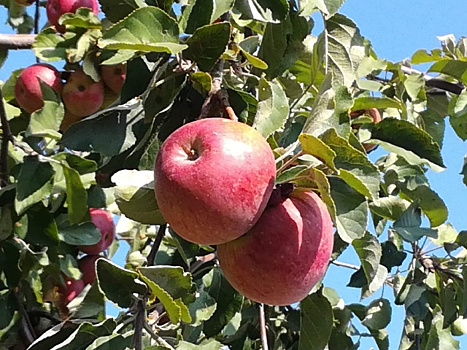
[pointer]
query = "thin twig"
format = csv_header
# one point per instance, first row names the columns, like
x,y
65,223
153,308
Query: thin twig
x,y
28,329
137,341
6,137
157,338
342,264
16,41
156,244
262,327
289,162
36,22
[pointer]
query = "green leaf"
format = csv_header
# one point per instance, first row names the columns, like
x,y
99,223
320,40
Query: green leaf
x,y
412,143
54,336
351,210
458,115
273,108
83,18
84,233
69,267
76,195
391,255
33,183
414,85
318,149
369,252
316,321
263,10
199,13
116,10
327,7
439,338
290,174
146,29
390,207
202,308
207,344
115,341
134,195
248,46
455,69
49,46
423,56
408,224
172,279
207,44
366,102
118,284
40,227
377,314
92,305
354,167
202,82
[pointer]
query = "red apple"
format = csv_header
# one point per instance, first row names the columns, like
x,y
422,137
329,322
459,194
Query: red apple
x,y
28,91
213,178
25,2
114,76
81,95
375,115
104,223
87,265
56,8
284,255
71,289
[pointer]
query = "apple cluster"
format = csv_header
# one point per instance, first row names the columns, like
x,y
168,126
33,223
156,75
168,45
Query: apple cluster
x,y
81,95
214,182
87,264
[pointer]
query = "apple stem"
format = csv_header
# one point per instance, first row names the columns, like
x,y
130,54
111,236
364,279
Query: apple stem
x,y
342,264
156,244
262,327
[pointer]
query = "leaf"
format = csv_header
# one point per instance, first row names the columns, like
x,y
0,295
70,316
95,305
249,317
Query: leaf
x,y
351,210
391,256
455,69
439,338
354,167
77,196
115,341
412,143
262,10
55,335
377,314
203,12
83,18
327,7
172,279
273,108
377,282
116,10
69,267
390,207
408,224
33,183
118,284
202,308
290,174
366,102
202,82
134,195
207,45
318,149
369,252
40,227
207,344
49,46
146,29
84,233
316,321
458,115
92,305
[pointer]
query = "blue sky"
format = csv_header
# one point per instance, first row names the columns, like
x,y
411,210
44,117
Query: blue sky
x,y
396,29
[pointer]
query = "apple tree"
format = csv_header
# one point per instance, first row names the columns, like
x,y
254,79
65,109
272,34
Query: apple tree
x,y
322,99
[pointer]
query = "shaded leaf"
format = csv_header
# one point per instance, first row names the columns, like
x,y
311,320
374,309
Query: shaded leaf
x,y
316,322
377,314
84,233
263,10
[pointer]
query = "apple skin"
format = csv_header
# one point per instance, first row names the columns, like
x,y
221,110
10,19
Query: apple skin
x,y
68,120
81,95
375,115
114,76
284,255
87,265
28,91
56,8
71,289
213,178
104,222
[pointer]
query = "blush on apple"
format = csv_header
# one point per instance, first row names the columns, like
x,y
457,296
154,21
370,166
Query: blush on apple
x,y
114,76
104,223
285,254
56,8
213,178
28,91
81,95
87,265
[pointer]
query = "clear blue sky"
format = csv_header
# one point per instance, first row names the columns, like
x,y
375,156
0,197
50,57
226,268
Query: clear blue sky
x,y
396,29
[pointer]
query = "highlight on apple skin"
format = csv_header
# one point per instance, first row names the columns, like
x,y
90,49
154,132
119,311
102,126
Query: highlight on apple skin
x,y
70,290
284,255
213,178
104,222
28,91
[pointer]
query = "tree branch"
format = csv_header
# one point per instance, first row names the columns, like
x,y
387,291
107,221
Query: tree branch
x,y
435,82
6,137
262,327
16,41
156,244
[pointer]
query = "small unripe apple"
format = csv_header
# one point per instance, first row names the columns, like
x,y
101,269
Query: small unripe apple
x,y
285,254
213,178
56,8
114,76
375,115
87,265
25,2
71,289
105,224
81,95
28,91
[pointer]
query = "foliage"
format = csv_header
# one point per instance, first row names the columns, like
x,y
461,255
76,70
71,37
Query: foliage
x,y
296,87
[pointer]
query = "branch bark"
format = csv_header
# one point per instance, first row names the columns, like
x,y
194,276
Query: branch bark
x,y
16,41
156,244
262,327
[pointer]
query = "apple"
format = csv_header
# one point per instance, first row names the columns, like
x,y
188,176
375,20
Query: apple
x,y
81,95
68,120
25,2
114,76
375,115
71,289
109,98
28,91
87,265
105,224
285,254
56,8
213,178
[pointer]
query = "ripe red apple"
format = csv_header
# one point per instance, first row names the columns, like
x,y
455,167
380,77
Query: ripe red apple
x,y
81,95
114,76
87,265
25,2
213,178
56,8
71,289
284,255
28,91
375,115
104,223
